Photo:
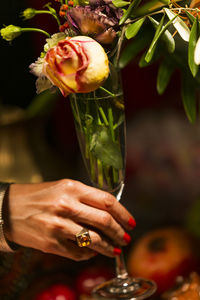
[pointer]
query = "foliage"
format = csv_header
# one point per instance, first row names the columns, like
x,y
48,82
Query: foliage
x,y
173,41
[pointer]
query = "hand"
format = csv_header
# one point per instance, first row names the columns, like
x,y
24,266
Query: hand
x,y
47,216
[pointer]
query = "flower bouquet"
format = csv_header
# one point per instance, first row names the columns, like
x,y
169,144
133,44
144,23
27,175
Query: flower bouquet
x,y
166,31
83,60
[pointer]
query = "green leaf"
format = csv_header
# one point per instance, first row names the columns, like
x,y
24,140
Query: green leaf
x,y
134,4
158,34
165,71
152,47
167,37
191,49
188,98
133,29
142,62
148,7
190,16
132,49
120,3
197,52
167,2
105,149
178,23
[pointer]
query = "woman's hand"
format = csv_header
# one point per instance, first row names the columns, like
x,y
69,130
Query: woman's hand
x,y
47,216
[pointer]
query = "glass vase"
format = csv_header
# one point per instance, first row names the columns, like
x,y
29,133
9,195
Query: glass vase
x,y
99,119
100,125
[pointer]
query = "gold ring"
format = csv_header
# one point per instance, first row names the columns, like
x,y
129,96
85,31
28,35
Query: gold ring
x,y
83,238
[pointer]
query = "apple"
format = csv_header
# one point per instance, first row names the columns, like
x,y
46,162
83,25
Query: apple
x,y
57,292
162,255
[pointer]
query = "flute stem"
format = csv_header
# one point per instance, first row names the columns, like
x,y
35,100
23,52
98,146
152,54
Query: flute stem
x,y
121,267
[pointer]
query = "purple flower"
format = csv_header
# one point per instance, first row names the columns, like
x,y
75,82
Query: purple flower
x,y
99,20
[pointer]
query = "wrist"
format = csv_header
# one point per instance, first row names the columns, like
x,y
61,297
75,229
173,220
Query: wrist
x,y
5,244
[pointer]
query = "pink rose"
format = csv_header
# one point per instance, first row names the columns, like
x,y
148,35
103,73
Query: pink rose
x,y
76,65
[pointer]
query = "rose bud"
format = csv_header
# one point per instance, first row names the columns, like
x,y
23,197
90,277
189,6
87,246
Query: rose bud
x,y
76,65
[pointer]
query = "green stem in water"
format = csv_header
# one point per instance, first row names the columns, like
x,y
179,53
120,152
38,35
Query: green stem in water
x,y
107,91
35,29
100,173
110,119
103,116
107,176
50,13
115,175
92,167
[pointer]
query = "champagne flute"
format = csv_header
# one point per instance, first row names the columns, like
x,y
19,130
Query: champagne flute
x,y
100,126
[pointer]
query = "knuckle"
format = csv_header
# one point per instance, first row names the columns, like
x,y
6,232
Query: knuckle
x,y
64,184
63,207
70,184
71,211
96,239
53,227
106,219
109,201
57,205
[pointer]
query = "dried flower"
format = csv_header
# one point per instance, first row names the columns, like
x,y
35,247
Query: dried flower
x,y
99,20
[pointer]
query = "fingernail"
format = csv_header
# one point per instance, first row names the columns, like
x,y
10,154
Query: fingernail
x,y
117,251
127,237
131,222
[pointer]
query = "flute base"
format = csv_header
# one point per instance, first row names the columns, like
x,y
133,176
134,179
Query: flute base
x,y
127,288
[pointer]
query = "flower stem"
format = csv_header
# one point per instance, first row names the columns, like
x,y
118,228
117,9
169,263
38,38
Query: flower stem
x,y
35,29
50,13
110,119
153,13
100,173
115,175
105,90
103,116
107,176
92,167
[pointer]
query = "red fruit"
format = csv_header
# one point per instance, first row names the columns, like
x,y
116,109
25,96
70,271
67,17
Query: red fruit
x,y
57,291
162,255
91,277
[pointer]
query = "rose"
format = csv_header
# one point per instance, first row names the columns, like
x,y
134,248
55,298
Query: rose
x,y
76,65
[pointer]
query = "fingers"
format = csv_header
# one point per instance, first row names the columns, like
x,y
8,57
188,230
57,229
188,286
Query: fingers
x,y
62,238
99,244
69,249
102,221
105,201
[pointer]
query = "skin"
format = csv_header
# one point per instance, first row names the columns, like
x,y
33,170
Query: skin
x,y
47,216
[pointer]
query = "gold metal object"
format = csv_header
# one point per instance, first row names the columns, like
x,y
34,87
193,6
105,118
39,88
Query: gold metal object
x,y
83,238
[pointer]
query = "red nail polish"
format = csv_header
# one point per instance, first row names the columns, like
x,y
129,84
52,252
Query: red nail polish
x,y
131,222
117,251
127,237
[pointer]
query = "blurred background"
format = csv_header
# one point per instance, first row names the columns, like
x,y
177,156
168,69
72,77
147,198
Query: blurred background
x,y
38,143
